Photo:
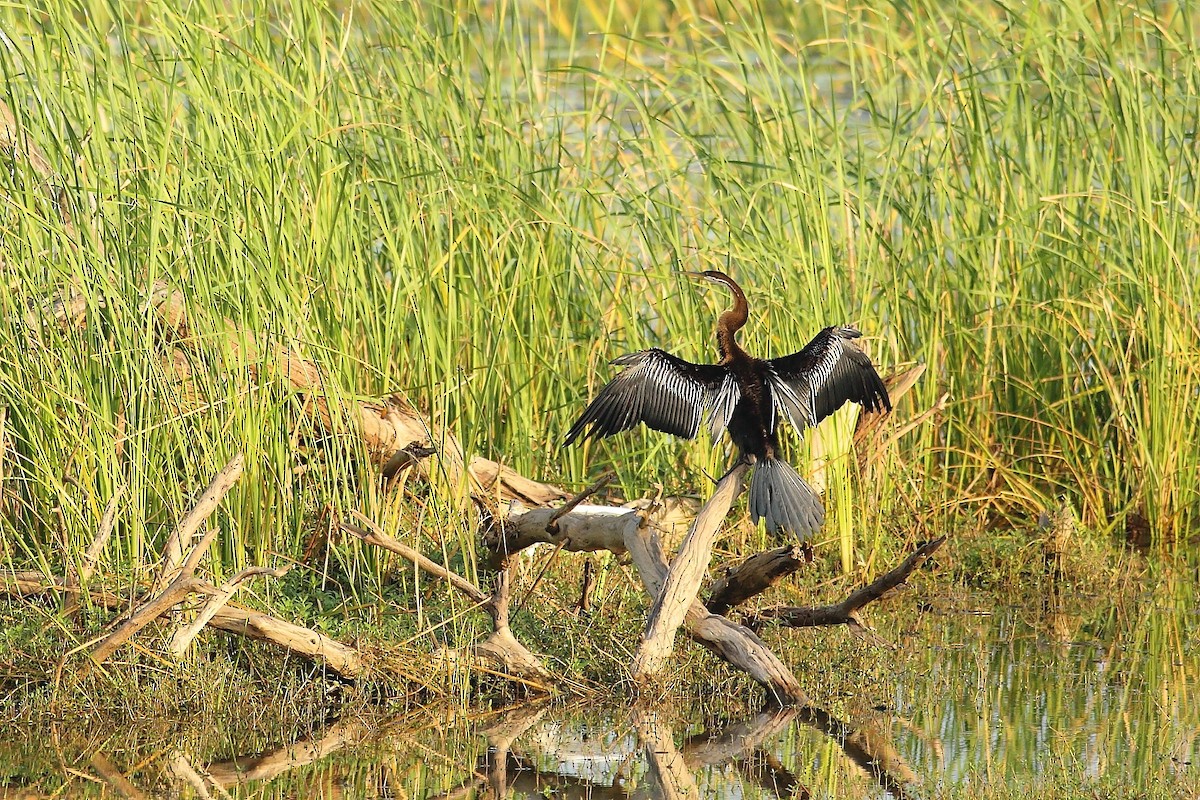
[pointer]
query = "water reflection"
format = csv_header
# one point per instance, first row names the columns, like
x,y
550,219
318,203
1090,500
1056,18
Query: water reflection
x,y
1016,698
534,752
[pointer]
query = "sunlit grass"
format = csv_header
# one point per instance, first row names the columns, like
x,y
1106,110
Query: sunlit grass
x,y
477,206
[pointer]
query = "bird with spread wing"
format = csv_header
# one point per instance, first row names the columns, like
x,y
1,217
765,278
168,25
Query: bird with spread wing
x,y
746,397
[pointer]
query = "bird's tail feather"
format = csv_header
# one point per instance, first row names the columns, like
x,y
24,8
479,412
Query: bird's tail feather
x,y
782,498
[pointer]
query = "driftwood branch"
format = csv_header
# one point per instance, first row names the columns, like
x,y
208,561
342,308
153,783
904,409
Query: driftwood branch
x,y
392,431
177,580
844,613
83,572
341,658
500,648
565,508
183,637
108,523
172,563
755,575
682,581
146,613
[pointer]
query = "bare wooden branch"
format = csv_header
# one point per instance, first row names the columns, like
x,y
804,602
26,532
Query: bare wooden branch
x,y
756,574
597,528
682,584
187,527
342,659
107,524
146,613
182,639
843,613
84,572
252,624
374,536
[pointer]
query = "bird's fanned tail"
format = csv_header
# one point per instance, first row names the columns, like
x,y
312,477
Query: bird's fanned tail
x,y
782,498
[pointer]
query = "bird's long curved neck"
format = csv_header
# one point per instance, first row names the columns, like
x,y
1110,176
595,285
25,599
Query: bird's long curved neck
x,y
730,322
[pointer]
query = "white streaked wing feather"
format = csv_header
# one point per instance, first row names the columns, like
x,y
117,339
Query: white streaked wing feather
x,y
720,406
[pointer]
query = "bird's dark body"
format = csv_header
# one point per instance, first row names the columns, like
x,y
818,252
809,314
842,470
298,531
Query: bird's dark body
x,y
745,396
750,426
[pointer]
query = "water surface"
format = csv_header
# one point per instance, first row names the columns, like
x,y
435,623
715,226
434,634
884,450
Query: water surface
x,y
1022,697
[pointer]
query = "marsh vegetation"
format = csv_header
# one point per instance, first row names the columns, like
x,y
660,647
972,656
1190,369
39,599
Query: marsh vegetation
x,y
260,229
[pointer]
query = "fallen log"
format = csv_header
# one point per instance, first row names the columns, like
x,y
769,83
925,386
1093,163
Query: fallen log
x,y
845,612
626,531
342,659
755,575
681,583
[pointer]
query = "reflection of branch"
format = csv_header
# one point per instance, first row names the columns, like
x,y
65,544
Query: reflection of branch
x,y
667,766
114,777
504,768
267,765
866,748
843,613
741,743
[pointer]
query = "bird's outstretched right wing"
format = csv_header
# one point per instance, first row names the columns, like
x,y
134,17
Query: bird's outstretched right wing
x,y
661,390
830,371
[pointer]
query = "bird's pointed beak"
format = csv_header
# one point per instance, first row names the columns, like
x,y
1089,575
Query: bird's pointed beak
x,y
696,276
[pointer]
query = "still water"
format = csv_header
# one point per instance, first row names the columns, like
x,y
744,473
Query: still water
x,y
1018,698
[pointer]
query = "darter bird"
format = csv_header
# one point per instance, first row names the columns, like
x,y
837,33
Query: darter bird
x,y
745,396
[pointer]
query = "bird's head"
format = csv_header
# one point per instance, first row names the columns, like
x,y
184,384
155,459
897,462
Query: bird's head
x,y
712,276
720,278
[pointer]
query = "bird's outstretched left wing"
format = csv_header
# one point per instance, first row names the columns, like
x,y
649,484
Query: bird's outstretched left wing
x,y
661,390
830,371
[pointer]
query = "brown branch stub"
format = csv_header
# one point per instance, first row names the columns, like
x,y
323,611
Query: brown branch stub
x,y
755,575
600,483
843,613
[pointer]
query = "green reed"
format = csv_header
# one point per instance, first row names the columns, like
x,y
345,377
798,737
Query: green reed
x,y
475,206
